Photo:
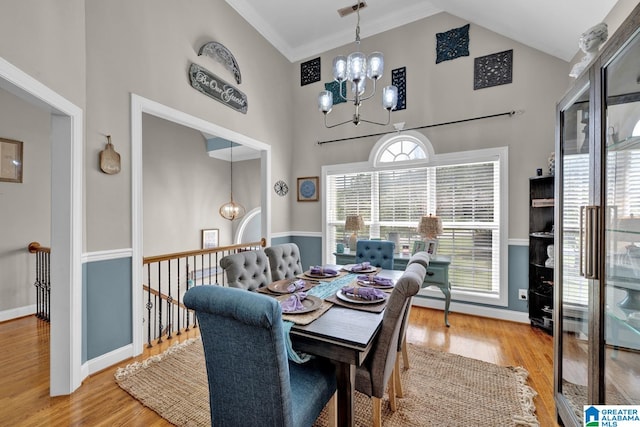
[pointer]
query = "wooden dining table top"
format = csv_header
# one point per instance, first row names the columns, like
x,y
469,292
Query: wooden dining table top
x,y
350,332
345,336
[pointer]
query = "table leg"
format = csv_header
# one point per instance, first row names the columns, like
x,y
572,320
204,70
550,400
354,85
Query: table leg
x,y
346,381
446,290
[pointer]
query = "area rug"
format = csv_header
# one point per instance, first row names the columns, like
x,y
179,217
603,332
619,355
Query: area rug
x,y
440,389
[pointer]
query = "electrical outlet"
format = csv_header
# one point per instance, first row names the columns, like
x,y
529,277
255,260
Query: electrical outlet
x,y
522,295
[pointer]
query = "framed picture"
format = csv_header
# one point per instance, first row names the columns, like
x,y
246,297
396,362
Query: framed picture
x,y
10,160
419,246
308,187
210,238
432,246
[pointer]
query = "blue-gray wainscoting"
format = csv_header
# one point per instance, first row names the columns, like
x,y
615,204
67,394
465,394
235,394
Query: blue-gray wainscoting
x,y
106,306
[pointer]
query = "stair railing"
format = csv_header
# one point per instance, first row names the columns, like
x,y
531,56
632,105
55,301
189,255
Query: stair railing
x,y
43,280
168,277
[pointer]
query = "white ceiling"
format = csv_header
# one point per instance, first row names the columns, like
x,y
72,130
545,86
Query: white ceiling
x,y
300,29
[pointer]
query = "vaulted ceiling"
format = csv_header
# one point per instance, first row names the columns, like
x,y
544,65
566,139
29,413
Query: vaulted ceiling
x,y
300,29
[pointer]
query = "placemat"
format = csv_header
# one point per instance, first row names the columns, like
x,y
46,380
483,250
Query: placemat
x,y
372,308
306,318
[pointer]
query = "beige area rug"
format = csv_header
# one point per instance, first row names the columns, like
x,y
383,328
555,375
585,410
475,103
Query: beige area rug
x,y
441,389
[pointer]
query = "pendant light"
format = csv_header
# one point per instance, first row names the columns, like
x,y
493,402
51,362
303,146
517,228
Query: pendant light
x,y
231,210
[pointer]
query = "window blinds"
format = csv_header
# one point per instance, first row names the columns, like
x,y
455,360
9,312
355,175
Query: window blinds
x,y
465,196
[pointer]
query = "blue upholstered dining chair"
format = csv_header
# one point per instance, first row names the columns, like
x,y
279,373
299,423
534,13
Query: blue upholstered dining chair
x,y
251,381
377,371
378,252
247,270
284,260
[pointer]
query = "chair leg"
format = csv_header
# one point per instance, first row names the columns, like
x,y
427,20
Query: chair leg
x,y
392,392
405,353
332,410
377,411
396,377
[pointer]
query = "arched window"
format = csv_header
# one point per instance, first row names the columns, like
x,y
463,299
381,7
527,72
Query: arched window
x,y
406,147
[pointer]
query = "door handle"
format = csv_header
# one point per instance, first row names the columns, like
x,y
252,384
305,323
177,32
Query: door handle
x,y
591,236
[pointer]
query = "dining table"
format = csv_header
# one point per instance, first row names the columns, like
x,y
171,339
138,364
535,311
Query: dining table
x,y
346,337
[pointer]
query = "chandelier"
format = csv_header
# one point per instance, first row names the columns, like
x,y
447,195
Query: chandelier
x,y
357,69
231,210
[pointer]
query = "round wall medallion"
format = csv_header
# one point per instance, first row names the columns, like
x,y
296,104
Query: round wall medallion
x,y
281,188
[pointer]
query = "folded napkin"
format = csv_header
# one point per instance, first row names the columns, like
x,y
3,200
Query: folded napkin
x,y
370,294
377,280
295,286
318,269
362,266
293,303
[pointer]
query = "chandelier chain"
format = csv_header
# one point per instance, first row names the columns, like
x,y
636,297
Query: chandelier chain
x,y
358,24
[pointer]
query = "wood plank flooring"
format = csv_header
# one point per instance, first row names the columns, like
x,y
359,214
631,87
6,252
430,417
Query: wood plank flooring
x,y
24,370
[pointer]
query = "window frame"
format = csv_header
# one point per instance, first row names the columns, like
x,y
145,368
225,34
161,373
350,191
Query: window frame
x,y
499,154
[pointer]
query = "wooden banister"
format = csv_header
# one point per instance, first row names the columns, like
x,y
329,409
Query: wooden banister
x,y
167,257
36,247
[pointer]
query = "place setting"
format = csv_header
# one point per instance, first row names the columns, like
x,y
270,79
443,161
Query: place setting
x,y
377,282
363,267
297,305
360,298
319,272
288,286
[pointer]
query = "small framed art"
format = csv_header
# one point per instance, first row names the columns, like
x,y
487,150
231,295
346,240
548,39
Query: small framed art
x,y
210,238
432,246
419,246
308,187
10,160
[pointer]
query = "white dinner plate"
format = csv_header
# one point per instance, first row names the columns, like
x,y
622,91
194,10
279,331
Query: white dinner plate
x,y
348,268
357,300
369,284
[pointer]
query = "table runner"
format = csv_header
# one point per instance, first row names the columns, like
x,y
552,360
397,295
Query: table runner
x,y
323,290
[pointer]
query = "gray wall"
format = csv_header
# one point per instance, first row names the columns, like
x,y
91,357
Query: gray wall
x,y
24,207
184,188
146,47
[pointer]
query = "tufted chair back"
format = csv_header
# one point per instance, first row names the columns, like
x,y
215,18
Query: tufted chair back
x,y
251,382
284,260
247,270
378,252
421,257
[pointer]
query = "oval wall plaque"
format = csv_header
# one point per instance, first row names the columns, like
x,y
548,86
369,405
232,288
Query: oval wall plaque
x,y
213,86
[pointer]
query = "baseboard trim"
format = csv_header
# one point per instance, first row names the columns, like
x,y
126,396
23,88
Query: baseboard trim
x,y
108,359
15,313
475,310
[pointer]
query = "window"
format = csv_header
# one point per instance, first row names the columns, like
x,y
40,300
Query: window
x,y
403,181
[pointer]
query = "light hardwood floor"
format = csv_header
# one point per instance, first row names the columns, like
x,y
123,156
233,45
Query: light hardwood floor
x,y
24,370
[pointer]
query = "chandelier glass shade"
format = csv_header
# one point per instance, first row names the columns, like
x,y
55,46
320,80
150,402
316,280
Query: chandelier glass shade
x,y
231,210
357,69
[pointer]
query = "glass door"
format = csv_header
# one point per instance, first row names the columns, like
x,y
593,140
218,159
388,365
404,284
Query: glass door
x,y
572,290
621,193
